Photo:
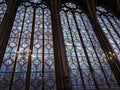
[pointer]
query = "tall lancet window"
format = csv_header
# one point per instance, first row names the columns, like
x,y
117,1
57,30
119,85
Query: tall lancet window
x,y
111,27
87,62
29,57
3,7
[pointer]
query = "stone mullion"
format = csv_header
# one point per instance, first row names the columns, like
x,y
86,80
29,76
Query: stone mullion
x,y
6,19
16,57
118,5
61,64
108,50
29,66
96,54
6,28
43,51
104,42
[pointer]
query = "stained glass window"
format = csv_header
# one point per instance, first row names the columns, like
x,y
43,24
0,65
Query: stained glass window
x,y
3,7
87,62
29,50
111,27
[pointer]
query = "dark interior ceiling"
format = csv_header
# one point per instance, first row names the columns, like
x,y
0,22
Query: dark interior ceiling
x,y
111,4
114,5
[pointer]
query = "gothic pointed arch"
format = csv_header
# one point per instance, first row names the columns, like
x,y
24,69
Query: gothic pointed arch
x,y
59,45
87,61
28,62
110,24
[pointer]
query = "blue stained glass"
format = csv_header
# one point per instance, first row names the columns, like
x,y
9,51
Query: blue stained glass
x,y
111,27
79,38
86,60
18,50
49,71
3,8
75,75
21,66
11,52
35,1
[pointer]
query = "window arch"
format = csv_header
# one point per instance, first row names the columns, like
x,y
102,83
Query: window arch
x,y
111,27
87,62
3,7
30,50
